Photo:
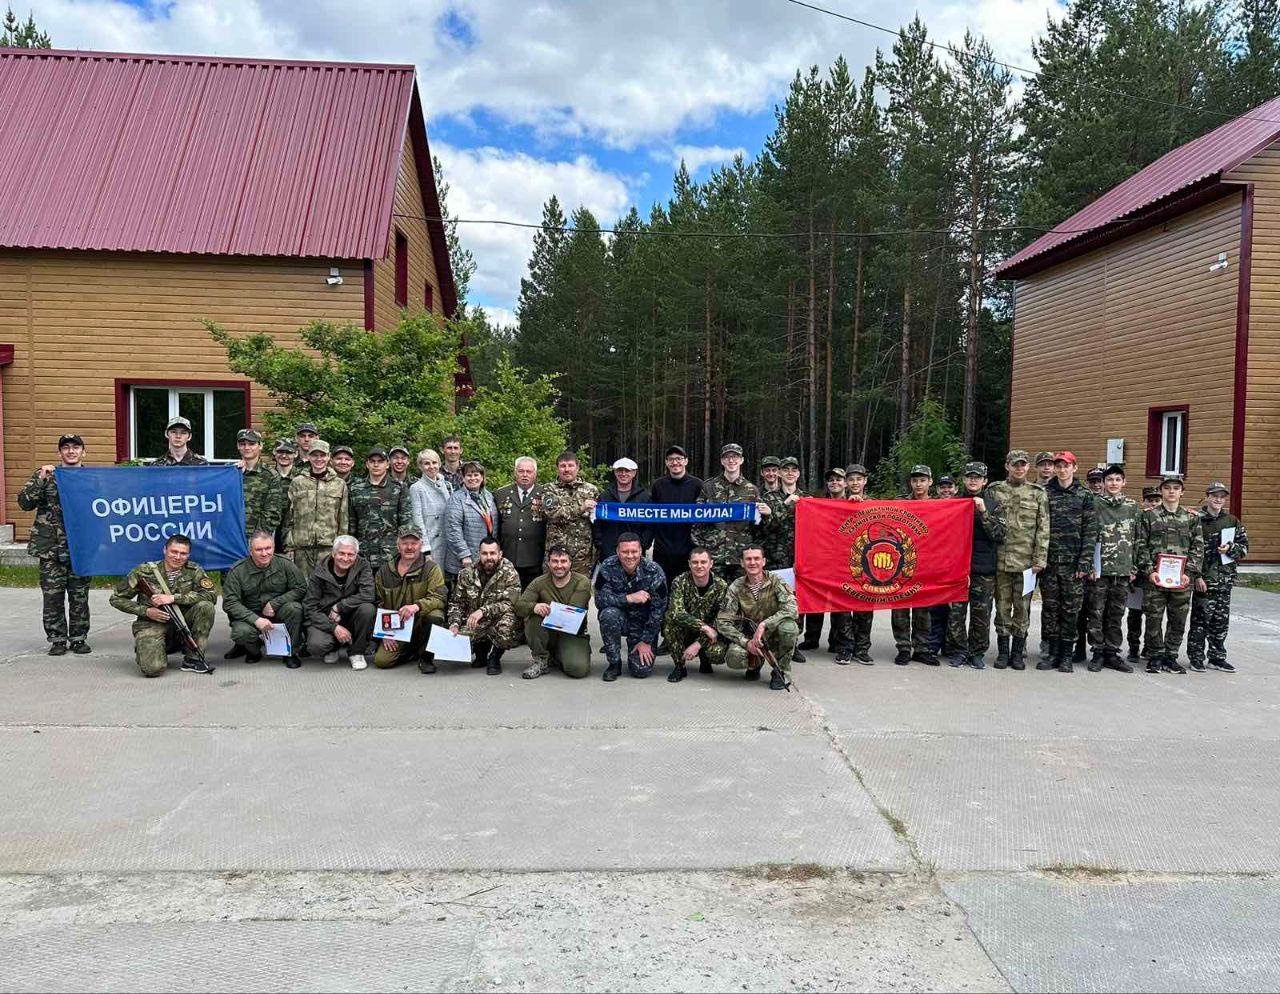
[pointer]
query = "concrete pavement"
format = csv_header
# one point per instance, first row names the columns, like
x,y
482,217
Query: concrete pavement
x,y
881,827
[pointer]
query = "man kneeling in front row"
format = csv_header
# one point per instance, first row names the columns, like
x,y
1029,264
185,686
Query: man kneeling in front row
x,y
758,620
412,585
339,604
631,596
689,629
484,603
175,582
559,585
261,591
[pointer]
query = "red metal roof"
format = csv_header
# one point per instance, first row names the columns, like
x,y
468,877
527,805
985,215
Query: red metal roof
x,y
1199,161
192,154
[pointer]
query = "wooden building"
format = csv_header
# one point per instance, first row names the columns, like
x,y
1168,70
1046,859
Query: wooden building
x,y
1149,322
140,194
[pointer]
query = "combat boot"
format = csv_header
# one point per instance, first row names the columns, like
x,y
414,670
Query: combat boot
x,y
1064,659
903,657
957,659
705,667
677,674
58,649
612,672
1095,661
1002,651
1153,664
494,666
797,656
1018,655
777,681
1048,655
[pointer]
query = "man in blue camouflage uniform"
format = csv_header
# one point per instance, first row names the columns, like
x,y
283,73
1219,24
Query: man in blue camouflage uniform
x,y
1211,603
631,595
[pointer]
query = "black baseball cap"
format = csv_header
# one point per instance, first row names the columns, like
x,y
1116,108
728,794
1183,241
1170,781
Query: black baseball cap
x,y
675,450
70,439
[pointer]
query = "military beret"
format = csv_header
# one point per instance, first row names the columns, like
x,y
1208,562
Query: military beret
x,y
975,469
1216,487
768,461
1017,455
945,481
178,422
786,461
1044,457
70,439
1150,493
343,448
730,449
833,472
675,450
320,445
856,469
284,445
1095,475
1112,470
1171,478
307,427
920,469
377,452
248,435
410,531
397,448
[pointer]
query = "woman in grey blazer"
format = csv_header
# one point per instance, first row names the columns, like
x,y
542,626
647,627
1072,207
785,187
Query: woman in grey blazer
x,y
428,496
470,515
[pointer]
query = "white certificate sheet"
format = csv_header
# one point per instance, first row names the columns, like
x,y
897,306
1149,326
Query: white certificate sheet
x,y
276,642
1028,582
565,618
447,646
1227,536
787,576
1170,572
1134,601
387,624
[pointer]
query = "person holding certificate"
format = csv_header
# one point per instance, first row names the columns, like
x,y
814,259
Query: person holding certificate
x,y
1170,554
484,605
412,585
559,586
1225,544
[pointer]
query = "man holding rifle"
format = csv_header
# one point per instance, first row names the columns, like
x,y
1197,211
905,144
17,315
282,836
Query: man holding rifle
x,y
173,600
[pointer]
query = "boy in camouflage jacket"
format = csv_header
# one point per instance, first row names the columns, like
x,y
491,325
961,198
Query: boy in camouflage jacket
x,y
1211,603
1117,532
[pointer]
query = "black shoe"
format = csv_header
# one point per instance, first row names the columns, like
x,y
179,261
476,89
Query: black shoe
x,y
797,656
928,658
1002,652
494,667
1044,647
978,662
1118,664
777,681
903,657
426,665
58,649
1134,652
1018,654
705,667
843,659
292,662
677,674
252,657
235,652
663,649
1064,656
479,660
863,656
612,672
751,675
1153,666
957,660
193,665
1223,665
81,648
1171,665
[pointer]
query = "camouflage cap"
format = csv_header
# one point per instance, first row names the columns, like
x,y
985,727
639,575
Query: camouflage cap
x,y
1171,478
856,468
248,435
975,469
1044,457
1094,475
730,449
178,422
786,461
410,531
768,461
398,448
920,469
70,438
1017,455
343,448
307,427
320,445
284,445
1216,487
1150,493
833,472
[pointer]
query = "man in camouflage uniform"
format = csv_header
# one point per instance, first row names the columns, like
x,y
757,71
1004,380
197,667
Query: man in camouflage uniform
x,y
567,505
689,629
777,529
399,458
1117,532
1093,481
851,630
758,619
178,432
283,470
264,493
378,507
1073,532
484,603
726,539
1171,530
343,460
769,471
318,510
305,437
631,598
66,596
1133,622
1025,509
1211,603
1044,468
176,581
970,646
911,624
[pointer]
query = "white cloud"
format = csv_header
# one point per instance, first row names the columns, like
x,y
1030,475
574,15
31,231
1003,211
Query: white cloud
x,y
695,157
501,317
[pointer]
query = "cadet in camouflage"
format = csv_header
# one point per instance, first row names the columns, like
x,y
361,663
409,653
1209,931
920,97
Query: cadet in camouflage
x,y
567,505
1133,620
631,595
1025,508
911,625
65,595
264,490
759,619
378,507
1117,532
969,643
1171,530
726,540
484,603
689,628
1073,532
178,433
1211,603
777,530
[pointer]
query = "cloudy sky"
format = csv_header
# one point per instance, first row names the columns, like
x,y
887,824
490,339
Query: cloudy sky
x,y
594,101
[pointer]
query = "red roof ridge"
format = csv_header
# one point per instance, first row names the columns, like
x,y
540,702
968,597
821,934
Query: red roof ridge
x,y
95,55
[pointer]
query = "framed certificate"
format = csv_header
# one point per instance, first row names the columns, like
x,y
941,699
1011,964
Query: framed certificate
x,y
1171,571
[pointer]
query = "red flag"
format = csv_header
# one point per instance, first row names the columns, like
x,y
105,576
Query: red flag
x,y
877,554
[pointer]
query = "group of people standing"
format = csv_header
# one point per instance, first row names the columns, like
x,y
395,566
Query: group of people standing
x,y
329,550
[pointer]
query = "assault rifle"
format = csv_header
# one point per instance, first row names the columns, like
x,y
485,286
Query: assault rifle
x,y
190,644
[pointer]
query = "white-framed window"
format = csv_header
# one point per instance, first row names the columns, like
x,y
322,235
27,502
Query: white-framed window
x,y
1173,442
215,413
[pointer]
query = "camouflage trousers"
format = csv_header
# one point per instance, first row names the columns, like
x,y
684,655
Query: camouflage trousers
x,y
781,642
306,558
1210,616
1013,610
911,627
502,632
1107,595
66,599
1157,604
680,637
153,641
1063,594
851,631
616,624
977,612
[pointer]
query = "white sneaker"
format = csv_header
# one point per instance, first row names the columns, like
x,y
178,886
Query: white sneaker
x,y
332,657
357,662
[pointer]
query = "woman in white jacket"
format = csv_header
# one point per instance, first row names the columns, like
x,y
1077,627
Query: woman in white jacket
x,y
429,494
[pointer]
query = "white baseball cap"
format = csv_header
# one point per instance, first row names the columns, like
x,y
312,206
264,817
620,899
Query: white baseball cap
x,y
625,463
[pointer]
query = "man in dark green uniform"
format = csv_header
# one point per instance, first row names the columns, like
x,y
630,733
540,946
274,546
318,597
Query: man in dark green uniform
x,y
1173,531
178,433
1073,532
1225,544
569,652
726,540
379,508
261,591
692,609
521,525
264,495
1133,620
65,595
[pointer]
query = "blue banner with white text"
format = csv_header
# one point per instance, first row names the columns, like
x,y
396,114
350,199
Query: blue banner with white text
x,y
676,514
119,516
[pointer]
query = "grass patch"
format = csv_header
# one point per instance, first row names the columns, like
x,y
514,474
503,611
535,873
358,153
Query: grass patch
x,y
797,872
1079,871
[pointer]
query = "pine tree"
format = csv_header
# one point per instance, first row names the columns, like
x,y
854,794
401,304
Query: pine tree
x,y
17,34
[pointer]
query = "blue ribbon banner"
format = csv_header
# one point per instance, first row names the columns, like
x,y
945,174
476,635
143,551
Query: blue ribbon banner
x,y
120,516
676,514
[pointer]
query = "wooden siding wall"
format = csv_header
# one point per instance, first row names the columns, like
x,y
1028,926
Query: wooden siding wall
x,y
410,211
1141,323
79,321
1259,509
